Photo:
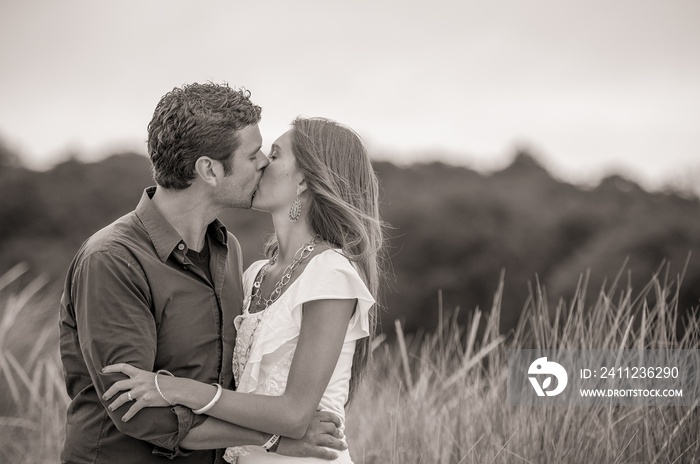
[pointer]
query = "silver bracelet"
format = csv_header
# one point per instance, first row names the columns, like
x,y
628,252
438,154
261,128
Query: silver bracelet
x,y
213,401
163,371
271,442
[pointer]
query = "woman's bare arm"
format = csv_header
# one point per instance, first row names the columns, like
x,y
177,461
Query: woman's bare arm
x,y
323,328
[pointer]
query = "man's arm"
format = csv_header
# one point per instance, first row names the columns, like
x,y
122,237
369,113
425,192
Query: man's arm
x,y
112,302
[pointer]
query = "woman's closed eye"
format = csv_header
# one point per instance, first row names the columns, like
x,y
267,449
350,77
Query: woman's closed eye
x,y
273,153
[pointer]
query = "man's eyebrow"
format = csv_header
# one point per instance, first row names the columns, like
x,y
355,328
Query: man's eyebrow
x,y
255,152
275,146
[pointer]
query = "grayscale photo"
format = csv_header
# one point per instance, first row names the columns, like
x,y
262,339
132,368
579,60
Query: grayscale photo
x,y
450,232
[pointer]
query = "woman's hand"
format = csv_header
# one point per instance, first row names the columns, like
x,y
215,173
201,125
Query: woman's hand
x,y
140,388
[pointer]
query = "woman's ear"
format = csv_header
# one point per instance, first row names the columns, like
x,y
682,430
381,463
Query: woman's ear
x,y
301,187
206,168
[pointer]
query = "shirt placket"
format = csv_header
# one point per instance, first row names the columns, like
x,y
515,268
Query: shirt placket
x,y
217,311
218,274
188,265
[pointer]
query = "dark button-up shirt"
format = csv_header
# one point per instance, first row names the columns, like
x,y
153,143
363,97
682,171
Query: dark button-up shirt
x,y
133,296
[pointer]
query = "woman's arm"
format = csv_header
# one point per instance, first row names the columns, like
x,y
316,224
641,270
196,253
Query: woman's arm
x,y
213,433
323,327
322,434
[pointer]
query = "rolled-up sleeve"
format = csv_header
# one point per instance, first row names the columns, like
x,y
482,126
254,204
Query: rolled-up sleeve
x,y
115,324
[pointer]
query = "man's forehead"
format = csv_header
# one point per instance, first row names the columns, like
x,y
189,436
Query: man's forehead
x,y
249,137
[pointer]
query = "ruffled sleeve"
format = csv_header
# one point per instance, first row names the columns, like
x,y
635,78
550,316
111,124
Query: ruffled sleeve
x,y
331,276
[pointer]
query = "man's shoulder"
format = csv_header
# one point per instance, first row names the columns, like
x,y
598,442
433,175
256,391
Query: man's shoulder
x,y
116,238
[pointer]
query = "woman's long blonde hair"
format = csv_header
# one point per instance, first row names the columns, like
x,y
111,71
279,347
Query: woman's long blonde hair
x,y
343,207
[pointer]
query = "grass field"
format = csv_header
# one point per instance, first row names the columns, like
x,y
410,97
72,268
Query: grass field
x,y
434,398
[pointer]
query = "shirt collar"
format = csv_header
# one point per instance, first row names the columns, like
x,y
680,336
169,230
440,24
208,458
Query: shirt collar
x,y
217,230
164,236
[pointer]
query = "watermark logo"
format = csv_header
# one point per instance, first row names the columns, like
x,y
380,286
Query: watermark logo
x,y
593,377
543,367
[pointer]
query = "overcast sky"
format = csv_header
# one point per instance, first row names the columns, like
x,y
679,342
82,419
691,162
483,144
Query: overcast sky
x,y
591,85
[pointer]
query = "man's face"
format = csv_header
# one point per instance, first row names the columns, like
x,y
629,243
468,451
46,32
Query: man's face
x,y
238,188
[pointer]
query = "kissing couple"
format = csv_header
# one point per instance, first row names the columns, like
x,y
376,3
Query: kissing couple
x,y
170,350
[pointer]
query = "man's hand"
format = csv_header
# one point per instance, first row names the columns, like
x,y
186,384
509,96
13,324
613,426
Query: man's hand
x,y
323,432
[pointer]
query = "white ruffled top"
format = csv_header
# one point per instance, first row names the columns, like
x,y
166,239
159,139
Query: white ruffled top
x,y
266,340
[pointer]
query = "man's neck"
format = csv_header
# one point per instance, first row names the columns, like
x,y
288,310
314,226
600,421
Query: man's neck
x,y
187,212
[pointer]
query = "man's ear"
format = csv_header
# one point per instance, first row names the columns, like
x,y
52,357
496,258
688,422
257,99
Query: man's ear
x,y
208,170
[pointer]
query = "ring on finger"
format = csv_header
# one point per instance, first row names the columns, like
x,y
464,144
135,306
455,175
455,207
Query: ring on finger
x,y
128,395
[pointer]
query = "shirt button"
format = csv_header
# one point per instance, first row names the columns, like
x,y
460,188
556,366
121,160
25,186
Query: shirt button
x,y
181,246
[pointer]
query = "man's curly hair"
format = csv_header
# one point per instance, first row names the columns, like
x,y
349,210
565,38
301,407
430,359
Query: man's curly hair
x,y
193,121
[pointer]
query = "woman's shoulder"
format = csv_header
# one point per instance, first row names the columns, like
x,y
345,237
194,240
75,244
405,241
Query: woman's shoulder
x,y
331,273
328,260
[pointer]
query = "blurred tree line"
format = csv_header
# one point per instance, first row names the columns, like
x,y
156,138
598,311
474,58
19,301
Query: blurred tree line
x,y
451,229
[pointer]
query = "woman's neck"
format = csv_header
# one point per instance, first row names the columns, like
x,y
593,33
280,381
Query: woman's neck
x,y
290,237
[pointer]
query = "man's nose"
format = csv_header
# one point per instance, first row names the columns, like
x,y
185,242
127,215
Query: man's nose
x,y
262,161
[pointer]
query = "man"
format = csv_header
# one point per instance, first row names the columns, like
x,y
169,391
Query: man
x,y
159,288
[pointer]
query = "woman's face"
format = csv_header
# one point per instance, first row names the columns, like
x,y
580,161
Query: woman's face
x,y
281,180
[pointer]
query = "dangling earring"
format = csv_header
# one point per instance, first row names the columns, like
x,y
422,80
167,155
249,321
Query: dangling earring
x,y
295,210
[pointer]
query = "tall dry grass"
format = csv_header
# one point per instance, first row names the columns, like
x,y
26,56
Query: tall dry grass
x,y
442,397
438,397
33,399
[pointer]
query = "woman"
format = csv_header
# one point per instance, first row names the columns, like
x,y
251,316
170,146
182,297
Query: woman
x,y
309,314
